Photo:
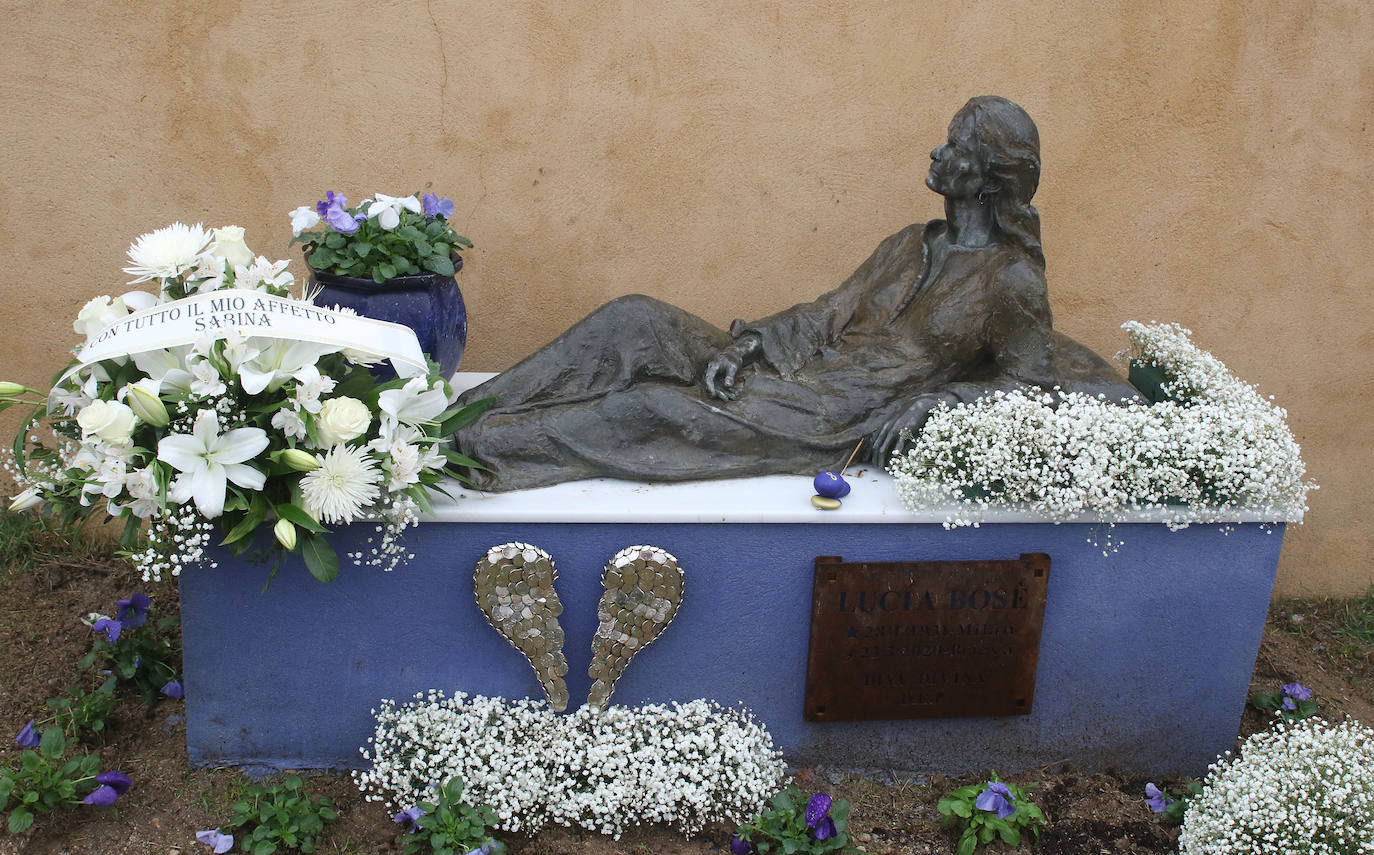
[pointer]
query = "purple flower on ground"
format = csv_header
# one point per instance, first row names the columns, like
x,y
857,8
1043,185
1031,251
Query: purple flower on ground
x,y
484,849
337,217
1297,691
411,816
1288,703
996,798
740,846
434,205
110,627
817,808
27,738
330,200
825,829
133,611
1156,799
102,796
221,843
174,689
118,781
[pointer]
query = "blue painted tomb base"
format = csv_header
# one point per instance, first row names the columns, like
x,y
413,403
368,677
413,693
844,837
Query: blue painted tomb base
x,y
1144,665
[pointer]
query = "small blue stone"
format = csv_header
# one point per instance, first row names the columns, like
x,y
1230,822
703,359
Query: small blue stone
x,y
831,486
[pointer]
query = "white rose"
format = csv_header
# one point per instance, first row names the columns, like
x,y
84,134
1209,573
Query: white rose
x,y
97,314
229,246
340,420
109,420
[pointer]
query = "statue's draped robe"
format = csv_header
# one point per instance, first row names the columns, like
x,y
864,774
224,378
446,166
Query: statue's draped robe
x,y
620,394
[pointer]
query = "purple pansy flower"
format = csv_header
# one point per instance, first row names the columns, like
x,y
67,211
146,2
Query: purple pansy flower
x,y
174,689
27,738
330,200
133,611
740,846
1288,703
818,807
115,780
1297,691
996,798
484,849
337,217
825,829
1156,799
410,815
433,205
221,843
102,796
110,627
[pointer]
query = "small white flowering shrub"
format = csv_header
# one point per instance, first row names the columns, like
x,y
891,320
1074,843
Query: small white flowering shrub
x,y
1216,446
1303,788
685,765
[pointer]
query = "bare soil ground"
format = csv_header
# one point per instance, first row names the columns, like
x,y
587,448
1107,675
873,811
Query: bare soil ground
x,y
1091,813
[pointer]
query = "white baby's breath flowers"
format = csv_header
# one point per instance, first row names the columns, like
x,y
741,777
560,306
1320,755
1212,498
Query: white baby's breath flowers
x,y
1216,447
684,765
346,482
1303,788
167,253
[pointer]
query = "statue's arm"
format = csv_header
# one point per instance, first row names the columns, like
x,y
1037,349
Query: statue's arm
x,y
1017,335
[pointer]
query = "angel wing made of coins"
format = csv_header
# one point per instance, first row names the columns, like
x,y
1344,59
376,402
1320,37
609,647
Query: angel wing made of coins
x,y
513,584
643,589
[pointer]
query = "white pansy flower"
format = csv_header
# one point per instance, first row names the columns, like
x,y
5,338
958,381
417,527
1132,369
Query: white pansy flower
x,y
386,210
166,253
413,403
304,217
208,459
229,245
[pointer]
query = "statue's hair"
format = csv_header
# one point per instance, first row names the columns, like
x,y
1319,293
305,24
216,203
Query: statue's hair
x,y
1009,145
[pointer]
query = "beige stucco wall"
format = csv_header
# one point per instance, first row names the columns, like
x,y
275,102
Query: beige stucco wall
x,y
1206,163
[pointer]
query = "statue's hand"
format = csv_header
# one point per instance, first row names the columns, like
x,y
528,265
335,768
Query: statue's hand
x,y
890,439
722,372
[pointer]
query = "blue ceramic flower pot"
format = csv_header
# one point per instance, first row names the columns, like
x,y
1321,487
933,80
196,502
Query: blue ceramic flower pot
x,y
428,303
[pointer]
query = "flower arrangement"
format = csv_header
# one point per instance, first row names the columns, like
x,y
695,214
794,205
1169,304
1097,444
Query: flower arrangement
x,y
382,238
1303,788
1212,447
230,435
686,766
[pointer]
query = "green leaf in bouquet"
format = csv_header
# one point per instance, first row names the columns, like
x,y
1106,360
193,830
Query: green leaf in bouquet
x,y
256,513
320,558
128,538
297,516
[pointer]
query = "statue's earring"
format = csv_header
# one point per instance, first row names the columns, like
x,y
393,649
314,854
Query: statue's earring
x,y
643,588
513,584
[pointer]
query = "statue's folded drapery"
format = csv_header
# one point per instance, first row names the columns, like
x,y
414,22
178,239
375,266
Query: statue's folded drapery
x,y
620,393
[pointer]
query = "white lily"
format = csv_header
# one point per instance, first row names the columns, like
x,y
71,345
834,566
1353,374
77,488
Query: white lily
x,y
206,459
386,210
167,367
277,362
412,404
262,274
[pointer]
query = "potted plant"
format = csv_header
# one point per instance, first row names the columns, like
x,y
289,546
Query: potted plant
x,y
224,423
393,258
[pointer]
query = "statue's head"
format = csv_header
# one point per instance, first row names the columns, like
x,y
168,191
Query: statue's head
x,y
992,158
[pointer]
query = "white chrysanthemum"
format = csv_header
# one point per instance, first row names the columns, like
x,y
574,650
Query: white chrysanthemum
x,y
167,252
346,482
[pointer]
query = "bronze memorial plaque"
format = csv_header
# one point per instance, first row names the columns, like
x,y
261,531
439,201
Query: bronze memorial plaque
x,y
924,639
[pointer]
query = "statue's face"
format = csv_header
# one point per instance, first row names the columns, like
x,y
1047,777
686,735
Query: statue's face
x,y
957,172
